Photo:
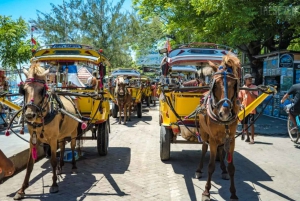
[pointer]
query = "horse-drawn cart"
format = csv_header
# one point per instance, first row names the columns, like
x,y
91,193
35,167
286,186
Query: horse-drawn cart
x,y
133,85
92,102
181,95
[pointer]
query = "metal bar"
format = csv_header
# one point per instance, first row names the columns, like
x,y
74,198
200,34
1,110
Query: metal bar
x,y
185,142
255,103
10,104
70,115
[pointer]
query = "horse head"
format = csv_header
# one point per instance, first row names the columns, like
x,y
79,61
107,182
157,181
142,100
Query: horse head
x,y
224,89
34,89
120,88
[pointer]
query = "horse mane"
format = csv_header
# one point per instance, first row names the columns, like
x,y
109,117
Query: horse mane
x,y
35,69
233,62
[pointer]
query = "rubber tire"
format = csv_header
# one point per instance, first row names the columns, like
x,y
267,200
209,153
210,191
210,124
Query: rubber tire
x,y
115,110
294,137
139,110
102,139
165,143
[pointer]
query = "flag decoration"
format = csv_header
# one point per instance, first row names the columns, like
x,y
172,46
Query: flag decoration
x,y
33,28
168,46
33,41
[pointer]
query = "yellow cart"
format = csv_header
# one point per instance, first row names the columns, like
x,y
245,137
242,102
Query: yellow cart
x,y
92,103
135,88
176,102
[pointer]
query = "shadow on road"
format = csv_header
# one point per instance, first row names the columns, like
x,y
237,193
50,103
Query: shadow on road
x,y
186,162
84,183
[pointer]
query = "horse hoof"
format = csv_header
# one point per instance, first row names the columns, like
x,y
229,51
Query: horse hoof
x,y
225,176
198,175
205,198
19,196
124,123
119,122
74,171
54,189
234,198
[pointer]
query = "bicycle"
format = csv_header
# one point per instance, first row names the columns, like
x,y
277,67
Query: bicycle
x,y
293,130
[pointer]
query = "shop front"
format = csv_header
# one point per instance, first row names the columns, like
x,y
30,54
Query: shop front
x,y
280,69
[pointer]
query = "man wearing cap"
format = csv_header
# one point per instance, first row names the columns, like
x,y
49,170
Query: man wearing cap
x,y
295,109
247,97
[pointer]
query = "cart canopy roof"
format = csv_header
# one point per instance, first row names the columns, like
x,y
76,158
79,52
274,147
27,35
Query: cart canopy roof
x,y
184,69
195,56
68,52
125,72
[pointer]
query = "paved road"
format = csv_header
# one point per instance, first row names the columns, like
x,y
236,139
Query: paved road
x,y
132,170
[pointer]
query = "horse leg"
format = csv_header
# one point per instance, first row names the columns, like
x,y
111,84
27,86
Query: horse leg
x,y
211,169
53,160
125,113
61,158
129,108
120,112
20,194
231,171
222,163
198,173
73,144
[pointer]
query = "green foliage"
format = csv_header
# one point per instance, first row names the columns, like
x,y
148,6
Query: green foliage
x,y
99,23
237,23
14,48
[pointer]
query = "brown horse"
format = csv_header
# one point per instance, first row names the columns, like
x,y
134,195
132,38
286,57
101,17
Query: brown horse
x,y
218,121
123,99
7,167
45,123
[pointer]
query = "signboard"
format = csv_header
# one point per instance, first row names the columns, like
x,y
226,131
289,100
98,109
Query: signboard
x,y
66,46
286,61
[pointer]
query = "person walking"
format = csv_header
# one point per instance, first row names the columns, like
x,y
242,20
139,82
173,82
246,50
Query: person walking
x,y
247,97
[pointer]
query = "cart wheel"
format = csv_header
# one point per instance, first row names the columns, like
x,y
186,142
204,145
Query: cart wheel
x,y
165,143
139,110
115,110
159,119
102,139
294,134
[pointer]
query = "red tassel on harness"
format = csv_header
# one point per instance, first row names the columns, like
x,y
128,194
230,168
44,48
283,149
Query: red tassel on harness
x,y
229,157
34,153
46,86
7,133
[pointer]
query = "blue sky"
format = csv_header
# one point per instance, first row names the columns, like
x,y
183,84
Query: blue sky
x,y
27,8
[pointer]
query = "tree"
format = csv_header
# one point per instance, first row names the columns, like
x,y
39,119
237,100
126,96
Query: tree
x,y
246,25
95,22
14,48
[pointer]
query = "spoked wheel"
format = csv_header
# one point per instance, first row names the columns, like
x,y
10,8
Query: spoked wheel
x,y
293,133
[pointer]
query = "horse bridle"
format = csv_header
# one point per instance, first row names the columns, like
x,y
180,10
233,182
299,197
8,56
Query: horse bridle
x,y
226,102
41,106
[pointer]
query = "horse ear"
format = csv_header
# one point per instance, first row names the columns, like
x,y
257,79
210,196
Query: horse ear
x,y
44,73
25,72
214,66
